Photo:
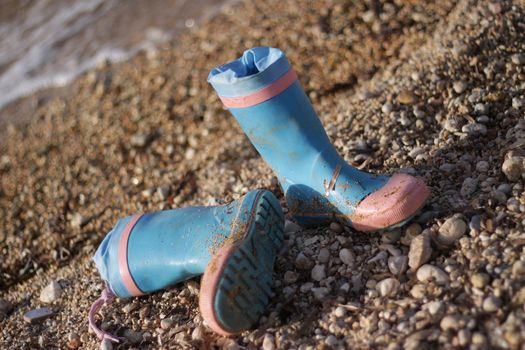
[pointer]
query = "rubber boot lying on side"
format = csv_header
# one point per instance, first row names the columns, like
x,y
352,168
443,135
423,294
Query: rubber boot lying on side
x,y
263,93
233,245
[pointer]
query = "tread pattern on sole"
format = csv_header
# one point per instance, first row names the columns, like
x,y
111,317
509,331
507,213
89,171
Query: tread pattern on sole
x,y
245,285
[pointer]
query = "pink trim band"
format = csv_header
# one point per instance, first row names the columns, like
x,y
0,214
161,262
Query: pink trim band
x,y
262,95
125,273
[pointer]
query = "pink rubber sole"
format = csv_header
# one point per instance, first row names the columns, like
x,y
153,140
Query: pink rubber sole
x,y
209,285
401,197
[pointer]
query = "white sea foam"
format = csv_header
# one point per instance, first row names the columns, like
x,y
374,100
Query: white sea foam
x,y
50,42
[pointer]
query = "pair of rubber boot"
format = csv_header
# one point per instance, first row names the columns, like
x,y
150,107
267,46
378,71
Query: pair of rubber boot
x,y
234,246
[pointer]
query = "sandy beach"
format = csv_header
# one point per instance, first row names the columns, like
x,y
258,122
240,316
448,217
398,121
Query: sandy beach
x,y
433,89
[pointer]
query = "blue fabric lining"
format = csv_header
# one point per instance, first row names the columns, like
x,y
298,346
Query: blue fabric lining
x,y
256,69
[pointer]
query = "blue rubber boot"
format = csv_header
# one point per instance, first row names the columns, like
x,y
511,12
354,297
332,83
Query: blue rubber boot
x,y
263,93
233,245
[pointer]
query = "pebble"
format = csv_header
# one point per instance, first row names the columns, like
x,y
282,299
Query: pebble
x,y
482,166
387,287
5,307
518,268
290,227
452,322
474,129
51,292
429,272
290,277
132,336
387,108
318,273
197,333
491,304
268,342
518,58
166,323
468,187
139,140
302,262
323,256
459,86
479,280
340,311
398,264
420,251
413,229
435,307
331,340
406,97
513,168
78,220
336,227
475,223
73,340
106,344
452,230
163,192
347,256
320,293
518,102
37,315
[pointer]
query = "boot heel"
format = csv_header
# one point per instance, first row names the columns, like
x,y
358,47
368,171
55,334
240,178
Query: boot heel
x,y
236,286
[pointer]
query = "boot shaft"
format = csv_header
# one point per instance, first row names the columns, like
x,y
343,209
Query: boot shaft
x,y
278,118
149,252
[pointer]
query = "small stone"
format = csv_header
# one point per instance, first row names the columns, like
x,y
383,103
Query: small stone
x,y
290,227
418,291
37,315
73,340
498,196
398,264
416,151
468,187
406,97
336,227
5,307
318,273
387,108
290,277
475,223
197,333
268,342
452,322
387,287
320,293
302,262
78,220
491,304
163,192
51,292
331,340
323,256
459,86
513,168
474,129
340,311
452,230
518,268
106,344
447,167
413,229
132,336
479,280
435,307
420,251
166,323
518,58
129,308
347,256
482,166
139,140
429,272
454,124
518,102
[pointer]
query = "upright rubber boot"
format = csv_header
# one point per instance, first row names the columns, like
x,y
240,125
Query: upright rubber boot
x,y
263,93
233,245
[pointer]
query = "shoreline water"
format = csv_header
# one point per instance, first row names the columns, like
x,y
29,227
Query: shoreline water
x,y
45,45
